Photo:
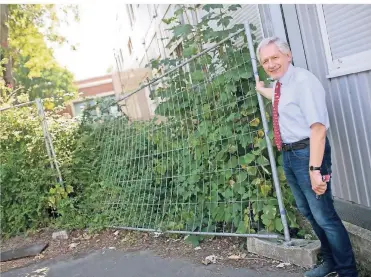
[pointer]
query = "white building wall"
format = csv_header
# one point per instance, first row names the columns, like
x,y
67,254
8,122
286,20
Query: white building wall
x,y
143,25
149,36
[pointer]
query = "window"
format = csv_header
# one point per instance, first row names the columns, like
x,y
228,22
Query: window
x,y
152,11
130,10
346,34
130,46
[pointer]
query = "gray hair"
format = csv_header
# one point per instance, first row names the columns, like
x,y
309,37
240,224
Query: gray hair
x,y
281,44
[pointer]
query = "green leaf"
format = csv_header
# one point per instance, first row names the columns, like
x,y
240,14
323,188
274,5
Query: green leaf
x,y
262,161
167,21
261,144
221,155
197,75
226,131
233,162
241,177
250,103
256,152
189,51
228,174
179,11
252,27
255,122
209,7
233,116
265,189
252,170
249,111
270,211
224,21
182,30
230,88
278,224
281,173
247,195
69,189
228,193
241,190
194,240
246,74
246,139
241,228
234,7
292,219
266,220
248,158
256,181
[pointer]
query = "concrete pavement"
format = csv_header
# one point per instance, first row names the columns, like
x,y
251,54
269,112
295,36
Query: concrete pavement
x,y
114,263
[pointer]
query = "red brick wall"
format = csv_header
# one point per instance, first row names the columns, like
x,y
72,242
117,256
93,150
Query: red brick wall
x,y
95,79
91,91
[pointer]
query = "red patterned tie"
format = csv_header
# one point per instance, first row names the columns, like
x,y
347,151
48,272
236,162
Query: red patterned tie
x,y
276,126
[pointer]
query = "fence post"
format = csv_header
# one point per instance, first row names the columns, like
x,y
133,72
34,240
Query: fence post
x,y
48,140
266,131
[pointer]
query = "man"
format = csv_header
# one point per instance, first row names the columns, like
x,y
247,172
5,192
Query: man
x,y
300,121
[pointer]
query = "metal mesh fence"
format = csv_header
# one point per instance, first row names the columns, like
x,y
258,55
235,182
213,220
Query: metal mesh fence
x,y
200,164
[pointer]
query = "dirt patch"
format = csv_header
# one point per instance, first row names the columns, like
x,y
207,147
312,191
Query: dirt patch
x,y
229,251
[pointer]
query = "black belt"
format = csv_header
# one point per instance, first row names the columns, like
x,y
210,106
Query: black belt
x,y
301,144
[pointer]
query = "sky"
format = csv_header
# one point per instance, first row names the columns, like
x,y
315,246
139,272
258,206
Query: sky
x,y
95,34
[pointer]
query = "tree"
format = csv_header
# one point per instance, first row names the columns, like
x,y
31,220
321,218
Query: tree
x,y
6,71
32,33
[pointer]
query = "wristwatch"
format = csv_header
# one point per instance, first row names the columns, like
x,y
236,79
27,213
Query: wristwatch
x,y
313,168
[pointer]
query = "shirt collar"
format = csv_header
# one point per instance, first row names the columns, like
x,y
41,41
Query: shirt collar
x,y
284,80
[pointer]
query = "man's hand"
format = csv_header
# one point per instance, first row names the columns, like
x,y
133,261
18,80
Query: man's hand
x,y
259,84
266,92
318,185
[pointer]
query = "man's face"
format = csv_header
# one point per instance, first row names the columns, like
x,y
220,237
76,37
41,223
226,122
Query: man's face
x,y
274,62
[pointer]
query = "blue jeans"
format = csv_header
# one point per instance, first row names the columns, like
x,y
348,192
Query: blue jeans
x,y
335,244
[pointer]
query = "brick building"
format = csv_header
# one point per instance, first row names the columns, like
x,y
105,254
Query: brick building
x,y
90,90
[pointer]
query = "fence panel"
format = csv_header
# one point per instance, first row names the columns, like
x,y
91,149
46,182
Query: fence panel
x,y
200,165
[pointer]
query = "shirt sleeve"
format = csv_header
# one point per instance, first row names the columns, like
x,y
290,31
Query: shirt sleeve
x,y
313,102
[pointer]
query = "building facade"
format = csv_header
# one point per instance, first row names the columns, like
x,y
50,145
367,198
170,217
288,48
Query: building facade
x,y
89,91
336,51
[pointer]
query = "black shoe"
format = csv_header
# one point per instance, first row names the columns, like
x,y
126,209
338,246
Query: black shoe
x,y
322,270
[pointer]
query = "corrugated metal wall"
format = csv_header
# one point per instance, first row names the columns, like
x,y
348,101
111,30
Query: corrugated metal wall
x,y
240,16
349,106
250,13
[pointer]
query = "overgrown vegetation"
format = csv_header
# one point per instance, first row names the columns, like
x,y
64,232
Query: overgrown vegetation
x,y
206,146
